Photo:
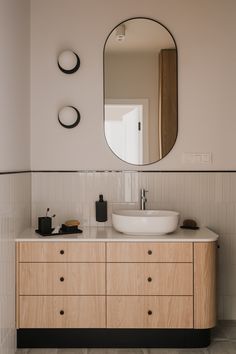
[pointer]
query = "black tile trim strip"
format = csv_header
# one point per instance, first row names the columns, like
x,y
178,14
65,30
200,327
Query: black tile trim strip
x,y
116,171
14,172
139,171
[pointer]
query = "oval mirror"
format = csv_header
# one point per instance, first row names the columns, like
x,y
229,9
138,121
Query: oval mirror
x,y
140,91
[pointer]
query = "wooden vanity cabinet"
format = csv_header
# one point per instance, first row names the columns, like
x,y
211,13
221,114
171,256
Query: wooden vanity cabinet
x,y
118,285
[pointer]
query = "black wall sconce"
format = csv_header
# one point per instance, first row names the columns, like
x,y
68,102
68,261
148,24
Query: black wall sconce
x,y
69,117
68,62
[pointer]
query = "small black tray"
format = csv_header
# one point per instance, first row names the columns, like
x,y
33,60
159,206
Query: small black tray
x,y
78,231
190,227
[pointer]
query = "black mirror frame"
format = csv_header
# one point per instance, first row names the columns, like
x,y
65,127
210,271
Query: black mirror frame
x,y
104,47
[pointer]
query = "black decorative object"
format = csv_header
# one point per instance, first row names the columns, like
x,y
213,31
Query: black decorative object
x,y
69,229
45,224
189,224
63,112
101,209
68,62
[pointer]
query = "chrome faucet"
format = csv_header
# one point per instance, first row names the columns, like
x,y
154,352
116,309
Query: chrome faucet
x,y
143,199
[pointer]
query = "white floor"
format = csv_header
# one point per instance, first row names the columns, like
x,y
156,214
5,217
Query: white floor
x,y
223,342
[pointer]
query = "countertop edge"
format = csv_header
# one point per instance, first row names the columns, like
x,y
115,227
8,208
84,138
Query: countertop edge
x,y
108,234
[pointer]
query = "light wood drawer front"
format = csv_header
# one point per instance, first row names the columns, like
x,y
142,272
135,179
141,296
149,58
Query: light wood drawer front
x,y
149,279
62,312
149,252
150,312
62,278
62,252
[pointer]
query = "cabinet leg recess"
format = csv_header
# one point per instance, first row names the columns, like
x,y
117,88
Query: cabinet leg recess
x,y
113,338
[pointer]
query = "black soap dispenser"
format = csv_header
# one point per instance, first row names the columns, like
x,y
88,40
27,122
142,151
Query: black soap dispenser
x,y
101,209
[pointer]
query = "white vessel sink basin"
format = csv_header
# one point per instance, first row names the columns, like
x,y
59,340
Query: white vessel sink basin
x,y
145,222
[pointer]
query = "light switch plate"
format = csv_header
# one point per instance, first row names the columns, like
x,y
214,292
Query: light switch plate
x,y
197,157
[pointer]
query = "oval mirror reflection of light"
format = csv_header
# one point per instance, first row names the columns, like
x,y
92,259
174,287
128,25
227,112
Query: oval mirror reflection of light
x,y
68,62
140,91
69,117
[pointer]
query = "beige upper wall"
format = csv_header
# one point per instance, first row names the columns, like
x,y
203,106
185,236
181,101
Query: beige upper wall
x,y
204,31
14,85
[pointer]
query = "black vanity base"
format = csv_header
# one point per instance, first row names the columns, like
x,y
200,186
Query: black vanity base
x,y
113,338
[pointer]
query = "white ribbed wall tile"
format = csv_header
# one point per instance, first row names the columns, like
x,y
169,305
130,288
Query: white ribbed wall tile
x,y
15,215
225,253
135,187
127,187
209,198
228,187
220,307
229,281
229,307
74,194
232,248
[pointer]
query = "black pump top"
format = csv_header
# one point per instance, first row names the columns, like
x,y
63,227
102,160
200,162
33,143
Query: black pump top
x,y
100,198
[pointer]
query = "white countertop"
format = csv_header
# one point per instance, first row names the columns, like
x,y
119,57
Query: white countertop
x,y
108,234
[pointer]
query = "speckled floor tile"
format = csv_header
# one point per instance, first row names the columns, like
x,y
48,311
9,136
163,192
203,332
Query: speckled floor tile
x,y
117,351
72,351
162,351
42,351
229,331
226,330
192,351
226,347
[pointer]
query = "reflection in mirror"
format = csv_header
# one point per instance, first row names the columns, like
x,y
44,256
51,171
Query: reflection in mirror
x,y
140,79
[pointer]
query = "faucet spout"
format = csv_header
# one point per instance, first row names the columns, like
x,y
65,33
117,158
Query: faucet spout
x,y
143,199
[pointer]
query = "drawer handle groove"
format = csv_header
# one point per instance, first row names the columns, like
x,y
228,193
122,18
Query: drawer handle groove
x,y
149,279
149,312
149,252
62,279
62,251
61,312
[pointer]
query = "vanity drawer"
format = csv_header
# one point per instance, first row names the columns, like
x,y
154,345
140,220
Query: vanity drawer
x,y
150,312
62,278
149,252
62,252
149,279
62,312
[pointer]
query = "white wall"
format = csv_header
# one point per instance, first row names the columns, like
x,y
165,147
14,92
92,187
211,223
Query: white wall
x,y
205,36
15,189
14,85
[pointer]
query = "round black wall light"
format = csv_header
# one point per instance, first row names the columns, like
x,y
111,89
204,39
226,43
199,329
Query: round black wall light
x,y
69,117
68,62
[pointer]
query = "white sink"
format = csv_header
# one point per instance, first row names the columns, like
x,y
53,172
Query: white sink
x,y
145,222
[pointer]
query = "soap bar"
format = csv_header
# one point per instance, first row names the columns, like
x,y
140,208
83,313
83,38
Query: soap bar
x,y
72,223
101,209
